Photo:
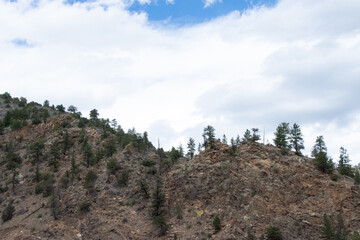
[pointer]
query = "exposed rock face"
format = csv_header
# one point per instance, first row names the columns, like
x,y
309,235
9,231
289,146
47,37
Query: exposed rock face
x,y
255,188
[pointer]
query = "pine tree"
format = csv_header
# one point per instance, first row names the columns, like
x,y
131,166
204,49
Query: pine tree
x,y
296,139
281,136
224,139
327,230
191,148
66,143
36,150
247,136
341,232
324,163
199,148
209,137
255,135
181,150
344,166
158,199
237,140
319,146
94,114
55,156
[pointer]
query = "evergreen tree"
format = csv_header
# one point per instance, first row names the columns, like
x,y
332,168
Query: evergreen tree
x,y
55,157
13,159
158,199
46,104
36,150
233,145
224,139
199,148
146,141
67,143
255,135
341,232
181,150
191,148
237,141
324,163
94,114
60,108
319,146
247,136
327,230
88,154
344,166
282,136
209,137
296,139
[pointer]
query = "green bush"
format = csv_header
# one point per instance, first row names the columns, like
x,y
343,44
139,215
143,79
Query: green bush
x,y
65,180
90,180
273,233
8,212
151,170
112,166
84,206
3,189
148,162
123,178
217,223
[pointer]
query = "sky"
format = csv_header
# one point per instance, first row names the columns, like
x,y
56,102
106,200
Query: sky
x,y
172,67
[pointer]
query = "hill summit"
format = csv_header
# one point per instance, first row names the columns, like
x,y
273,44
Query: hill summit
x,y
67,177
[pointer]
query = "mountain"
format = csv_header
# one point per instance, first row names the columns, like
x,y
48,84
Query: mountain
x,y
69,177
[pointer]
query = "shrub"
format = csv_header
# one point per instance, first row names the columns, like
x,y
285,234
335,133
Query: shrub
x,y
123,178
148,162
3,189
84,206
90,180
65,180
217,223
273,233
112,166
151,170
179,212
8,212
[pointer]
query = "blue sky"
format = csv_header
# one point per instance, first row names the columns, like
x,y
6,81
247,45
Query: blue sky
x,y
194,11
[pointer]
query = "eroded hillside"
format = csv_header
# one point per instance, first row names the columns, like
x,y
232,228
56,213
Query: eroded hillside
x,y
251,189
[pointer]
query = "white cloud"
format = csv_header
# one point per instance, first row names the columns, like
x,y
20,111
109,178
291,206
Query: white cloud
x,y
208,3
144,1
296,62
170,1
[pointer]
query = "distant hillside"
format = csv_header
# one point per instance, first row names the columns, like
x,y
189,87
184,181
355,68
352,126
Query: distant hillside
x,y
69,177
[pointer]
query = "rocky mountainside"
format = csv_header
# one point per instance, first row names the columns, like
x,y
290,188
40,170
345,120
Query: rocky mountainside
x,y
68,178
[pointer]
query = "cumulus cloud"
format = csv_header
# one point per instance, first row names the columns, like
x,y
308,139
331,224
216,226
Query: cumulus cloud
x,y
295,62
